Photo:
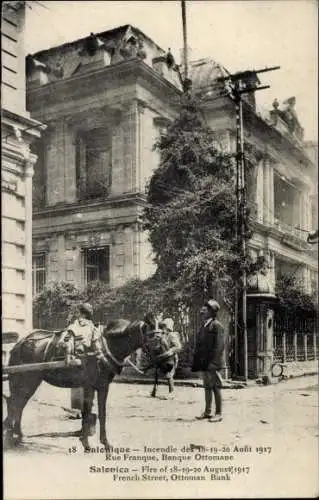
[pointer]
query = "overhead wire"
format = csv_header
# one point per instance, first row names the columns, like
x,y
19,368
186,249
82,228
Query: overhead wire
x,y
56,12
177,191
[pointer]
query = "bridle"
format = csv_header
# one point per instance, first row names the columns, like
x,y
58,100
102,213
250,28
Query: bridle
x,y
113,363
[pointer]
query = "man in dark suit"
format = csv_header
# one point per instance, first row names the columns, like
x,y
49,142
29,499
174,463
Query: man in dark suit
x,y
209,359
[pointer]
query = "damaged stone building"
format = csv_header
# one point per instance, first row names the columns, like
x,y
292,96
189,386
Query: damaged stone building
x,y
105,99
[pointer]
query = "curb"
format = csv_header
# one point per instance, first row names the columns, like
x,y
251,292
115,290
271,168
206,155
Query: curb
x,y
228,384
180,383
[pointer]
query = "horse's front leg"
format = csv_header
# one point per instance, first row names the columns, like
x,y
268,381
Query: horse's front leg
x,y
88,418
153,393
102,393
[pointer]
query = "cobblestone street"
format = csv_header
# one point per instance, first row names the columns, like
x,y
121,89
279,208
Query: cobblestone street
x,y
281,418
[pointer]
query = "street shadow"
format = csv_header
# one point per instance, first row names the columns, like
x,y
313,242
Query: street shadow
x,y
314,387
183,419
163,398
57,434
34,446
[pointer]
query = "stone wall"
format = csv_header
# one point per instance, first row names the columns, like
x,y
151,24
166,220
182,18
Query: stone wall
x,y
12,57
129,253
18,131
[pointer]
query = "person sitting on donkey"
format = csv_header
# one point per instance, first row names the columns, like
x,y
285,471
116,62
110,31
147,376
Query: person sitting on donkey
x,y
162,346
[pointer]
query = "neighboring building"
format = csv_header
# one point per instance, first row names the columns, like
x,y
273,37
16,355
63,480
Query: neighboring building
x,y
106,99
282,191
18,131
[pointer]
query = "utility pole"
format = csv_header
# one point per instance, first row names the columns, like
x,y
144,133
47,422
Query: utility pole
x,y
240,204
185,82
183,2
242,83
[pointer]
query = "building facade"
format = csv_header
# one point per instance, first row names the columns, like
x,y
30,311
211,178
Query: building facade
x,y
17,162
104,107
105,100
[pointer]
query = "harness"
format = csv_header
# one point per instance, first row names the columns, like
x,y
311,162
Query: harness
x,y
109,359
149,344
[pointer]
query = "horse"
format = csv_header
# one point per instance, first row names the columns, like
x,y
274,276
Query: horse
x,y
119,338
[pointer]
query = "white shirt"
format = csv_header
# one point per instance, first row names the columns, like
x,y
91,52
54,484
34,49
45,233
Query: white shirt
x,y
208,321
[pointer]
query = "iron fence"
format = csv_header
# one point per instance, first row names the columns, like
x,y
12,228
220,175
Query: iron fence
x,y
296,347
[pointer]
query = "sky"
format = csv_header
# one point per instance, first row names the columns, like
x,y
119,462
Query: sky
x,y
249,34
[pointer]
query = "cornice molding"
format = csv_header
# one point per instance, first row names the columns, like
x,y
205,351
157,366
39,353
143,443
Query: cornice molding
x,y
281,144
72,232
281,236
79,85
161,121
107,204
11,153
13,120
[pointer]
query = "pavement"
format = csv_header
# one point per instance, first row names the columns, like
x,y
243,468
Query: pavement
x,y
266,446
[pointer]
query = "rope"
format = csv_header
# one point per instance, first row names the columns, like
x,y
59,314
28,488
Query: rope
x,y
134,366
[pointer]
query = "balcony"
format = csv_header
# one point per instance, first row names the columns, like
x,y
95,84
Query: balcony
x,y
288,230
261,285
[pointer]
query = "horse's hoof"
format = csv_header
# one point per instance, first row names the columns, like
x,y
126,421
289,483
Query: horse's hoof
x,y
8,441
92,430
91,424
85,444
13,441
108,448
17,442
104,441
153,395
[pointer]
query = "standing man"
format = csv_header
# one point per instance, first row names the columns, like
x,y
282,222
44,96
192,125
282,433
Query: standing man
x,y
209,359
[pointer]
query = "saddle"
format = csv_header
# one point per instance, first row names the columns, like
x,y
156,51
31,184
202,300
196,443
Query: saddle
x,y
38,336
69,343
53,347
62,343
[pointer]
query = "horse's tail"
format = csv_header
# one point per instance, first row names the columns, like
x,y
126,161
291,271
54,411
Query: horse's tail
x,y
15,353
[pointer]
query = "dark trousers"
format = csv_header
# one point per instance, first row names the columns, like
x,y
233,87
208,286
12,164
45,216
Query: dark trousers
x,y
212,385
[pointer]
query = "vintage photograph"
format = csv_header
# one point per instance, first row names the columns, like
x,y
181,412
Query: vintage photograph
x,y
159,186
